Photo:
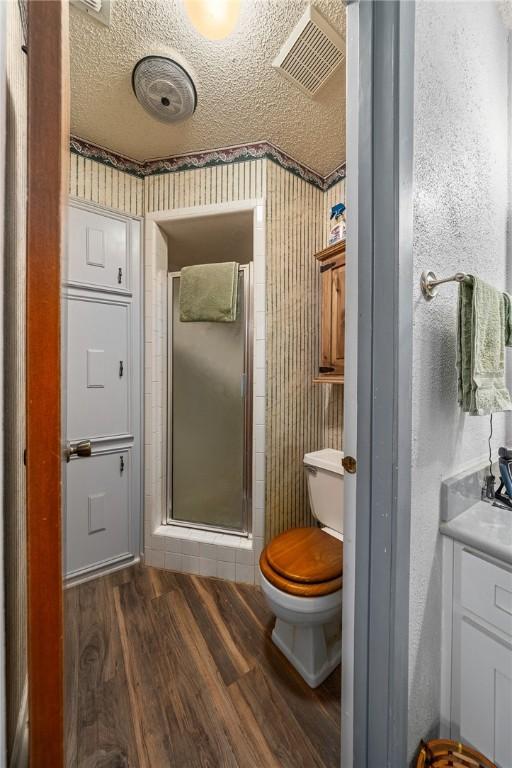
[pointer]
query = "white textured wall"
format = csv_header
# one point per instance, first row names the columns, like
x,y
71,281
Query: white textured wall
x,y
460,220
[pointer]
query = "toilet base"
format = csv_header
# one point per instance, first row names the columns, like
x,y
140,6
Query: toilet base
x,y
314,650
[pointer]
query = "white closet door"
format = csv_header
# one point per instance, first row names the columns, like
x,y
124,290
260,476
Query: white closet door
x,y
97,501
103,407
98,246
98,368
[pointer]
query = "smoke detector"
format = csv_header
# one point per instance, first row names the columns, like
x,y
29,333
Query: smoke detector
x,y
164,88
311,54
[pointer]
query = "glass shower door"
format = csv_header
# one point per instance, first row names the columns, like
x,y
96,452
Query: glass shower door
x,y
208,400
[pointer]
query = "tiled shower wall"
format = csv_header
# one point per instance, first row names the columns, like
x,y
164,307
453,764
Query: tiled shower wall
x,y
301,416
14,383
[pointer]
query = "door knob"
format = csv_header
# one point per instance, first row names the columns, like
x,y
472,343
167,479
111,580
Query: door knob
x,y
82,448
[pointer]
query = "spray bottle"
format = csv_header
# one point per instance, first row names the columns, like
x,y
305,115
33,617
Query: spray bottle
x,y
338,228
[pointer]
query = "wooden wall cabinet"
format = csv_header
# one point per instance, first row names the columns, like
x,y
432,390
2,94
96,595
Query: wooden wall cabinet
x,y
331,366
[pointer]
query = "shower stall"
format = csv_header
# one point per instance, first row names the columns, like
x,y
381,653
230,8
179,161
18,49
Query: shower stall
x,y
209,447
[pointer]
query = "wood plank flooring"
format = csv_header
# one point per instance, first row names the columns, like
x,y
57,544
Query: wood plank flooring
x,y
166,669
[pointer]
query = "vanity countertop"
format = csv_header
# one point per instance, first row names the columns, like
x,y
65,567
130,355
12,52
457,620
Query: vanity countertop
x,y
484,527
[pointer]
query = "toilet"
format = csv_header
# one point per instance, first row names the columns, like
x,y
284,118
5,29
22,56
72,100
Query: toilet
x,y
301,575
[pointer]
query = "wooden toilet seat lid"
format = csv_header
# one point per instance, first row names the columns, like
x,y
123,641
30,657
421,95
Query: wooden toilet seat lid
x,y
297,588
306,556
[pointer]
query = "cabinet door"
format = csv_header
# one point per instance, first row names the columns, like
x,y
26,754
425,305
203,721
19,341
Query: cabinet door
x,y
338,318
98,368
97,250
485,694
97,510
326,318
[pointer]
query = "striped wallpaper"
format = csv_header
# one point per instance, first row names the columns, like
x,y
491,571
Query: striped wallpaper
x,y
301,416
295,231
206,186
107,186
14,385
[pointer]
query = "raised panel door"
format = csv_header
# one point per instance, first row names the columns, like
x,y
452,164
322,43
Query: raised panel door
x,y
98,510
98,368
98,246
338,318
485,696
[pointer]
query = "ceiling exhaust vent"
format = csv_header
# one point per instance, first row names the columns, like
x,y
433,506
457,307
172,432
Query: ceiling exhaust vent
x,y
311,54
96,9
164,88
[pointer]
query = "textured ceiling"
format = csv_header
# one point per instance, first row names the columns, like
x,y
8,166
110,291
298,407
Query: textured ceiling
x,y
241,98
505,7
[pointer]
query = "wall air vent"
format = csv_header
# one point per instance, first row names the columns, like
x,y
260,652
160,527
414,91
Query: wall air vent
x,y
96,9
311,54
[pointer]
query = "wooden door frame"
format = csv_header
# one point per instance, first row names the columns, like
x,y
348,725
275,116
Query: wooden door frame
x,y
48,143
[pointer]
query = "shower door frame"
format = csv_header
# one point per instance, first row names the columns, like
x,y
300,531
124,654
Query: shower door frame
x,y
245,530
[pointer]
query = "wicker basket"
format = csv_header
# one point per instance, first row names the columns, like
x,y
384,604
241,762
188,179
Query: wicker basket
x,y
442,753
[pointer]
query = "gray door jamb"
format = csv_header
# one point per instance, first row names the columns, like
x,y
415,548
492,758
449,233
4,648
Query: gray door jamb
x,y
385,279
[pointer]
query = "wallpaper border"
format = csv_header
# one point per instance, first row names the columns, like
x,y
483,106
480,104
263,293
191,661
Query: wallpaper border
x,y
224,156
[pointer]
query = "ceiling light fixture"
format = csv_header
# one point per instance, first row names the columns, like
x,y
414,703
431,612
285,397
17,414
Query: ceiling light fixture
x,y
213,19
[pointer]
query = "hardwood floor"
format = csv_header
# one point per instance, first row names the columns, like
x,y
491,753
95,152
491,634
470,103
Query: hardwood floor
x,y
166,669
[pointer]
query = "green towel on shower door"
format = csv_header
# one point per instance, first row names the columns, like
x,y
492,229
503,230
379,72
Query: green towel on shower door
x,y
508,320
481,349
209,293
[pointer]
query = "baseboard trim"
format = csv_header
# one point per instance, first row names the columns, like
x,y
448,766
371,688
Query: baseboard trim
x,y
19,756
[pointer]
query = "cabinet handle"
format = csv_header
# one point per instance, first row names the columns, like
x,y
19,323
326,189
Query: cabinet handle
x,y
120,275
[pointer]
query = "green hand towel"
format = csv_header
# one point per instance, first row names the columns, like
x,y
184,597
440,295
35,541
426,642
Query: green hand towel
x,y
481,349
508,321
209,293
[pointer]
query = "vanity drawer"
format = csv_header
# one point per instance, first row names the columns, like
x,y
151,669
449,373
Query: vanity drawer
x,y
486,590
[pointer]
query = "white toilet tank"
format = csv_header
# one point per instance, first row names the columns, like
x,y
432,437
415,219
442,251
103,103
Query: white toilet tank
x,y
325,485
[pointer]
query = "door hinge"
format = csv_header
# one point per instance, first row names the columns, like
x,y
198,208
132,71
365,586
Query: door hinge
x,y
121,368
349,464
121,464
120,275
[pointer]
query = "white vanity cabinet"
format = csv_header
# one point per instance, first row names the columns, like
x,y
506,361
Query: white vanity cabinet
x,y
477,673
